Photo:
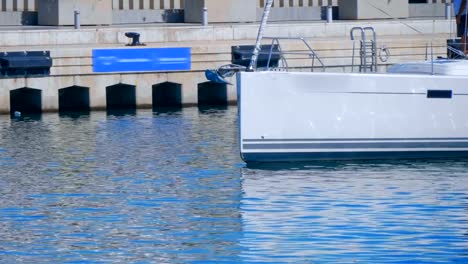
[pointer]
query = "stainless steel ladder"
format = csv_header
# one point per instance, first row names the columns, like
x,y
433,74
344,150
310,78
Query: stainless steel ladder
x,y
367,49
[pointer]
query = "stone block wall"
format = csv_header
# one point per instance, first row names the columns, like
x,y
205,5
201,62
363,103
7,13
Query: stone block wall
x,y
24,12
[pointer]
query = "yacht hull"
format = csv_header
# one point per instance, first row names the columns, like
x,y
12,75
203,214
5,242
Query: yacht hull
x,y
293,116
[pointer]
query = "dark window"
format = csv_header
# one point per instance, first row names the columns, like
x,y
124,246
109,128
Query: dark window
x,y
439,94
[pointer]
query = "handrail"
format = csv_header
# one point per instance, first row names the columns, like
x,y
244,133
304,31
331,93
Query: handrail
x,y
457,51
310,53
219,75
363,36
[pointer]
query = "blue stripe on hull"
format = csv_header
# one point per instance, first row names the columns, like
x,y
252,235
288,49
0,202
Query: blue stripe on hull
x,y
352,139
409,145
317,156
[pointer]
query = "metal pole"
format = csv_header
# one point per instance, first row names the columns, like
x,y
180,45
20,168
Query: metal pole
x,y
432,59
77,19
205,16
448,11
258,43
329,14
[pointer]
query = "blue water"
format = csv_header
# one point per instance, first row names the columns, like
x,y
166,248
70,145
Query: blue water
x,y
169,187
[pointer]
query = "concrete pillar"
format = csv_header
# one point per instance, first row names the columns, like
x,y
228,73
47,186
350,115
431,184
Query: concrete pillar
x,y
178,4
144,91
60,12
31,5
115,4
97,89
166,4
126,5
189,83
146,4
143,88
373,9
50,99
4,101
221,11
19,5
9,5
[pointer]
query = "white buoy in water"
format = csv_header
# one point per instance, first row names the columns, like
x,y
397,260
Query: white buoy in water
x,y
17,113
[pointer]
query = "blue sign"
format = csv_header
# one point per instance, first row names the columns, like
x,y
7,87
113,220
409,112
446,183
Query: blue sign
x,y
141,59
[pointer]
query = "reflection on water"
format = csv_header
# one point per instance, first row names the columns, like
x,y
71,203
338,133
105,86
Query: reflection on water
x,y
75,114
18,116
121,112
169,187
392,212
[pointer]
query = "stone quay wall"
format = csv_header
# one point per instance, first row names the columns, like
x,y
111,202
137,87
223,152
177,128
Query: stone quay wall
x,y
72,68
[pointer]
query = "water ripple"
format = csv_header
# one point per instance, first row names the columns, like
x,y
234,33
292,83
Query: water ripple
x,y
169,187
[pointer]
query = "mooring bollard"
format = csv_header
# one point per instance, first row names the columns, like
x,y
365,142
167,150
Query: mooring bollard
x,y
329,14
205,17
77,19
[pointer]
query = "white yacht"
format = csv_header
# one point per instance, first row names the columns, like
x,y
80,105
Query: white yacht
x,y
415,110
295,116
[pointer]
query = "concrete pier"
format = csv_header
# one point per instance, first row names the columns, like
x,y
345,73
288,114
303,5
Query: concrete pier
x,y
73,84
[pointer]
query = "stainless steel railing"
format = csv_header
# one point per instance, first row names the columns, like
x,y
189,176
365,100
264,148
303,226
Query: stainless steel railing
x,y
305,53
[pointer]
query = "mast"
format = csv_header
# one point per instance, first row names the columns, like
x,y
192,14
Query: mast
x,y
266,13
